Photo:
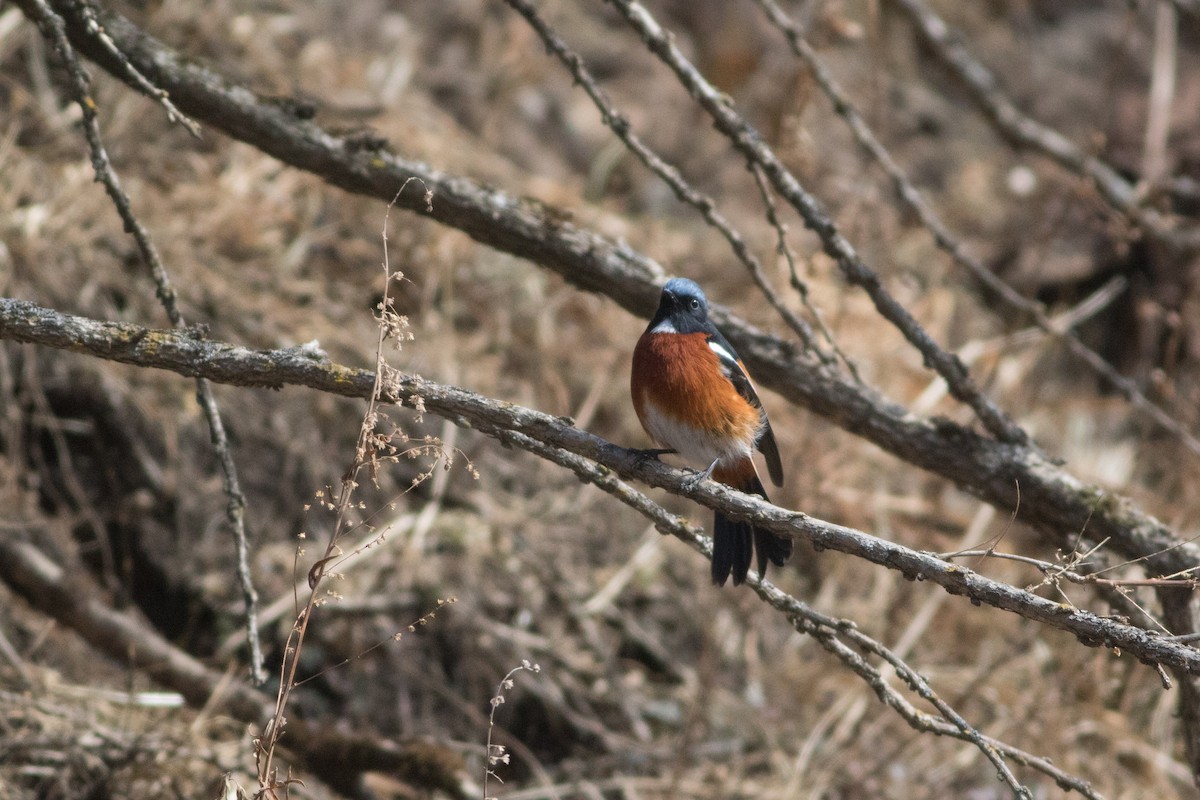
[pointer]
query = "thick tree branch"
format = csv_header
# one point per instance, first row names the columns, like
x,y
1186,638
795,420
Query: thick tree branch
x,y
839,637
1054,501
750,143
172,350
949,242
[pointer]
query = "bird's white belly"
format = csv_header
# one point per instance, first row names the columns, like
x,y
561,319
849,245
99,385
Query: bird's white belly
x,y
698,448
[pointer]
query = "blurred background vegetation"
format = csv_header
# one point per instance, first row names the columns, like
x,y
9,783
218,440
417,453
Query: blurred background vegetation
x,y
653,684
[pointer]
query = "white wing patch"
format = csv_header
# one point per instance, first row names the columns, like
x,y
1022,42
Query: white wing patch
x,y
733,371
727,358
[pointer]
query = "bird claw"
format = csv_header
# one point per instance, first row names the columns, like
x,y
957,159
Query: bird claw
x,y
693,481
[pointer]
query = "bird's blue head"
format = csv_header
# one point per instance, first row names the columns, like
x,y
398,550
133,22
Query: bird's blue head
x,y
685,289
683,308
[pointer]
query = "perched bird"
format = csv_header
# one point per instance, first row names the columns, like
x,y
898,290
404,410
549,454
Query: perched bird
x,y
693,396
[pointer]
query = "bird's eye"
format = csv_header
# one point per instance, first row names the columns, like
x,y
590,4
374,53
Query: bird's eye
x,y
694,303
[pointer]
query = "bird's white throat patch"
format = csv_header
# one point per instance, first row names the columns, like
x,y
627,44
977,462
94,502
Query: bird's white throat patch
x,y
664,327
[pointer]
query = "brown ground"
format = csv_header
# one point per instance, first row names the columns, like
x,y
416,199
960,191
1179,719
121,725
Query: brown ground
x,y
266,256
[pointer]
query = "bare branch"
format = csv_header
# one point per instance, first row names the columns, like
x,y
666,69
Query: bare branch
x,y
235,511
947,241
335,757
619,124
176,351
136,78
748,141
830,632
1057,503
1024,131
1055,571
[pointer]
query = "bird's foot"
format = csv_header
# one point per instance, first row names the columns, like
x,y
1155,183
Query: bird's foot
x,y
693,481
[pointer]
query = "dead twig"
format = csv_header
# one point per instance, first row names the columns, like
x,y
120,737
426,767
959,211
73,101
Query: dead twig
x,y
619,125
1024,131
1055,571
751,145
370,450
784,249
334,756
498,753
951,244
135,75
176,351
53,28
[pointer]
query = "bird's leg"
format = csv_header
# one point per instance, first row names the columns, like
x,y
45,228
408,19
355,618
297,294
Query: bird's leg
x,y
693,481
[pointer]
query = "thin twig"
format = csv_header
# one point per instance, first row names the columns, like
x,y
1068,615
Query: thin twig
x,y
947,241
749,142
53,28
138,79
1059,570
785,250
126,638
365,456
498,753
1024,131
176,351
619,125
71,480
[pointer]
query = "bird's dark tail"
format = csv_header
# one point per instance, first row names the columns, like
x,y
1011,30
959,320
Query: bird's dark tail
x,y
734,542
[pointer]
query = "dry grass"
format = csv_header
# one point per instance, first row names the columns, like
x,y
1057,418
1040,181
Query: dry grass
x,y
653,684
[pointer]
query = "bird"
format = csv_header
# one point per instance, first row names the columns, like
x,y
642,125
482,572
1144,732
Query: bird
x,y
693,396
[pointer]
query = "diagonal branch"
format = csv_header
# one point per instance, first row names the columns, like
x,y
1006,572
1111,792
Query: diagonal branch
x,y
235,509
831,633
952,245
669,174
749,143
1024,131
1054,501
176,351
